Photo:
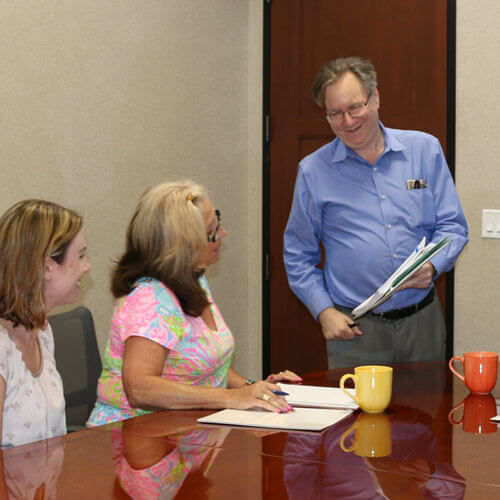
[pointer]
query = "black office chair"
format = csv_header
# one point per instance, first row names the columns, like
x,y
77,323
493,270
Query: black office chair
x,y
78,362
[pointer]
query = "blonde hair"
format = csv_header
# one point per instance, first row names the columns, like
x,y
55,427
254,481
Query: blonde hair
x,y
30,231
164,240
332,71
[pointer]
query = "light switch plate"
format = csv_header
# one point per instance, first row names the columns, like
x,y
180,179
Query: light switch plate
x,y
490,227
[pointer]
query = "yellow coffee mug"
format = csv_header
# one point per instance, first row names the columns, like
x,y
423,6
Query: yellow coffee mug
x,y
372,436
373,386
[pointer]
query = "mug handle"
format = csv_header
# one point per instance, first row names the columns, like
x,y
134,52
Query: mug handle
x,y
344,435
355,379
450,364
450,415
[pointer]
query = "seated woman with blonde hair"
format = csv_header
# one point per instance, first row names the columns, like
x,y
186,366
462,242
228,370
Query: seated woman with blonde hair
x,y
169,346
42,260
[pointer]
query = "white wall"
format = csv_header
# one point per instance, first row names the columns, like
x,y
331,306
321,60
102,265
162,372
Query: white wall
x,y
101,100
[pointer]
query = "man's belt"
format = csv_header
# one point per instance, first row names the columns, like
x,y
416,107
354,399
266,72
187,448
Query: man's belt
x,y
407,311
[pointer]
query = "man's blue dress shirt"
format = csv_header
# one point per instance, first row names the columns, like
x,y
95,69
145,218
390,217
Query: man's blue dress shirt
x,y
368,221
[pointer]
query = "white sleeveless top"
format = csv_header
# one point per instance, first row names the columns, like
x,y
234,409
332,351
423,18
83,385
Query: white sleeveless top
x,y
33,408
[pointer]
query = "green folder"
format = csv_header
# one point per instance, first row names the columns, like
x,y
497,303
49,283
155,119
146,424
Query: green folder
x,y
423,258
396,279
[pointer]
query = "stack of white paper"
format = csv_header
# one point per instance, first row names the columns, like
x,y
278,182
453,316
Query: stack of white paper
x,y
319,414
318,397
302,419
422,254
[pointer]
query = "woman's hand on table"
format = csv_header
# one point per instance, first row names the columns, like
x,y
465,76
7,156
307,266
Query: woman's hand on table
x,y
260,394
284,376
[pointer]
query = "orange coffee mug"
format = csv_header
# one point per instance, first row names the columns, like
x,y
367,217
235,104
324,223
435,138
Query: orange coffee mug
x,y
480,370
477,411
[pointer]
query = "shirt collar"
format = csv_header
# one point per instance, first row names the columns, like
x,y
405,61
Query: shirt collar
x,y
392,143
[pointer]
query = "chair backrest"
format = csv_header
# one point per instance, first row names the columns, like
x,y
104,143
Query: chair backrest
x,y
78,362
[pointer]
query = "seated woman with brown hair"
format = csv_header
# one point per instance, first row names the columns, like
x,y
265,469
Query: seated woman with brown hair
x,y
169,346
42,260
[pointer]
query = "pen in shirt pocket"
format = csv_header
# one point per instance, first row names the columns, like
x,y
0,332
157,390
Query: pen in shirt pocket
x,y
416,184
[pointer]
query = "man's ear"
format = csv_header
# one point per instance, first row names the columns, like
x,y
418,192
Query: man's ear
x,y
49,265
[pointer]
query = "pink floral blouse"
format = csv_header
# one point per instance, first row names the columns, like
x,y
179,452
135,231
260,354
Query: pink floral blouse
x,y
197,354
195,450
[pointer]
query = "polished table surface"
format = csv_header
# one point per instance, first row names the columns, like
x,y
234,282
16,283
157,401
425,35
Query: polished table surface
x,y
434,441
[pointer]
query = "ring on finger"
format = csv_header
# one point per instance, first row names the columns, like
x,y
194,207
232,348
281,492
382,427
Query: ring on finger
x,y
266,397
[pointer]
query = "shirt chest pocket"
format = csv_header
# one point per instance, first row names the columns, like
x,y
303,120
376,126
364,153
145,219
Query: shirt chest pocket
x,y
421,207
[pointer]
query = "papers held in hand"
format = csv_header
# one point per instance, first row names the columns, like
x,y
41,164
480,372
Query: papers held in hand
x,y
405,271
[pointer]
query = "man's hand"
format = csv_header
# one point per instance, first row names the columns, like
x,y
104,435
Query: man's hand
x,y
335,325
421,279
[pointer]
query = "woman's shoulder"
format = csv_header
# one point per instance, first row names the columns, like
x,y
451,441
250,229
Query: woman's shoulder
x,y
3,331
149,292
147,287
5,339
202,280
47,337
7,351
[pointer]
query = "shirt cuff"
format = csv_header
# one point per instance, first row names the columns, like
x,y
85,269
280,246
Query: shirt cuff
x,y
319,301
438,264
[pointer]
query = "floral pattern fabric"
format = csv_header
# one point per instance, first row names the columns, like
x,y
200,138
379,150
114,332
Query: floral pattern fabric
x,y
194,450
197,354
33,473
33,407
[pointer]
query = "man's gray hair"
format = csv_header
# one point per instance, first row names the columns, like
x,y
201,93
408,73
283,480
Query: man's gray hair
x,y
332,71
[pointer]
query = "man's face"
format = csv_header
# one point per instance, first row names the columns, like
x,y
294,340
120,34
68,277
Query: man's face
x,y
362,131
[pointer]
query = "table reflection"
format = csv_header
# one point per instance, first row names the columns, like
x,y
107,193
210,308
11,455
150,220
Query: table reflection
x,y
372,436
477,410
156,462
401,464
32,471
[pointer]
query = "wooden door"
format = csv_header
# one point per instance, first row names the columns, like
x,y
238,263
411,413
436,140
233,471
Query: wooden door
x,y
407,42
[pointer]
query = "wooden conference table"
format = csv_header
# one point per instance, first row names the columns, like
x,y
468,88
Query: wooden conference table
x,y
412,450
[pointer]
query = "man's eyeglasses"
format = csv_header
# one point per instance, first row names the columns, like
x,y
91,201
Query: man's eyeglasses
x,y
355,110
215,236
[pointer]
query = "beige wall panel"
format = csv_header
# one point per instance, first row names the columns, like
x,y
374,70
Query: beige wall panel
x,y
102,99
477,314
477,167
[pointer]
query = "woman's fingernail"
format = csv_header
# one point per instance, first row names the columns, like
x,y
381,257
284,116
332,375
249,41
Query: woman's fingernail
x,y
271,377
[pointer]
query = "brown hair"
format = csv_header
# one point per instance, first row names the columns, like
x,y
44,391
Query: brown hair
x,y
164,240
332,71
30,231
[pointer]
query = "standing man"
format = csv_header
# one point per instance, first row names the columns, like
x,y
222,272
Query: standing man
x,y
369,197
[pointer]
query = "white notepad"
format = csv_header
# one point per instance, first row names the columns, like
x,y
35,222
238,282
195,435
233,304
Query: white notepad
x,y
313,396
301,419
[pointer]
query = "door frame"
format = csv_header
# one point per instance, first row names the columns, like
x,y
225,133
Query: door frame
x,y
266,163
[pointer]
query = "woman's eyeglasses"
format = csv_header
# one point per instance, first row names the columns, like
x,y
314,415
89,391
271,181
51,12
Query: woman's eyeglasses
x,y
215,236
